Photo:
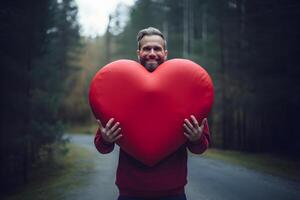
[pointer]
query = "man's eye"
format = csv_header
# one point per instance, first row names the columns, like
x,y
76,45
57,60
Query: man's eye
x,y
157,49
146,48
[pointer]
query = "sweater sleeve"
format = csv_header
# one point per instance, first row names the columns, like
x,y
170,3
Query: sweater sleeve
x,y
102,146
202,144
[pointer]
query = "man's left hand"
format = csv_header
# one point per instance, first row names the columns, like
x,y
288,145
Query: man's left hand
x,y
192,130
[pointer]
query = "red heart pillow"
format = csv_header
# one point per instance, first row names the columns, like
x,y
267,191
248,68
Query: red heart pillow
x,y
151,107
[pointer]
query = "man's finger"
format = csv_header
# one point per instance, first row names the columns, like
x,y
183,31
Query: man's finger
x,y
109,123
111,130
187,135
188,123
187,128
195,121
203,122
118,137
100,124
114,134
115,126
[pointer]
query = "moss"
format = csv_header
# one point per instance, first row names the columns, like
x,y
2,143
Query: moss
x,y
52,181
84,129
277,165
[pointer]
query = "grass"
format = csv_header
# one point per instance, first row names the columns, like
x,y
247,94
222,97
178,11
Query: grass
x,y
84,129
282,166
55,179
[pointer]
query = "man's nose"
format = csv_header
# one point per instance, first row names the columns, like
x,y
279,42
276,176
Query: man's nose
x,y
152,53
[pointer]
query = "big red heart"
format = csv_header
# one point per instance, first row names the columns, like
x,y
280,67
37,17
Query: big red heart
x,y
151,107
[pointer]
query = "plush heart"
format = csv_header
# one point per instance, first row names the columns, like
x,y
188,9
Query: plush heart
x,y
151,107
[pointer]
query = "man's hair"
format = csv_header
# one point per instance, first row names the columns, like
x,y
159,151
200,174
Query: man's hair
x,y
149,31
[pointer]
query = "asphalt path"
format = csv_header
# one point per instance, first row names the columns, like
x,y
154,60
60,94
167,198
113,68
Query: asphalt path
x,y
208,179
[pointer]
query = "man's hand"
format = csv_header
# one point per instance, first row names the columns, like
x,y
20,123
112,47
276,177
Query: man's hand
x,y
110,133
192,130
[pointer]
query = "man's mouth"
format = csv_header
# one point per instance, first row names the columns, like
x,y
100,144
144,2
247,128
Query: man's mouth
x,y
151,61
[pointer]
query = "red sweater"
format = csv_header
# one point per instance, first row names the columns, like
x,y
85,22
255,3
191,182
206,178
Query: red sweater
x,y
168,177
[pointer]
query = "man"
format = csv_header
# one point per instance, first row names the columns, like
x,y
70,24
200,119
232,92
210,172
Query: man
x,y
165,180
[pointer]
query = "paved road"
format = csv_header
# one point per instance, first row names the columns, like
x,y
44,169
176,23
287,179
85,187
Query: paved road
x,y
208,180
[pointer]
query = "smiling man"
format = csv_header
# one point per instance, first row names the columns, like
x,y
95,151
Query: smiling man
x,y
167,179
151,48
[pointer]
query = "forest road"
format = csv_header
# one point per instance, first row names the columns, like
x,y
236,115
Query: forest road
x,y
208,179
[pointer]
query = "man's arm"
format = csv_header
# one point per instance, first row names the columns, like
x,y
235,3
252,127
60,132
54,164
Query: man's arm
x,y
106,136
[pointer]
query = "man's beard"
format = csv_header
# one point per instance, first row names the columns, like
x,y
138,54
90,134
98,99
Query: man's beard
x,y
150,66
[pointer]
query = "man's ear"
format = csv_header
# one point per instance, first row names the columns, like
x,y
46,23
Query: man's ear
x,y
138,54
166,54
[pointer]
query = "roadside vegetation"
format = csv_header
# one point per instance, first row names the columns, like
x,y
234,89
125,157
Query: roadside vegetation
x,y
53,180
277,165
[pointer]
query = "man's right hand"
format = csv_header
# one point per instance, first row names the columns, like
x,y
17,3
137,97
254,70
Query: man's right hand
x,y
111,132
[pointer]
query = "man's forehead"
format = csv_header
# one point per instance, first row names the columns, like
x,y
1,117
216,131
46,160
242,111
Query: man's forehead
x,y
152,40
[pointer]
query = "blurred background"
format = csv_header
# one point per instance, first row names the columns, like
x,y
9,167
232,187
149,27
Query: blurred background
x,y
50,50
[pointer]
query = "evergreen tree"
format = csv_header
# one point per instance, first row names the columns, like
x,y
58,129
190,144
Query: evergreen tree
x,y
39,41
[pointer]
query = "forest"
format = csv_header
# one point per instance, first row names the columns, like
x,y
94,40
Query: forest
x,y
249,47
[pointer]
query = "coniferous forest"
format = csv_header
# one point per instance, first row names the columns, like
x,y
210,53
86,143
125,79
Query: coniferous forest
x,y
39,48
249,47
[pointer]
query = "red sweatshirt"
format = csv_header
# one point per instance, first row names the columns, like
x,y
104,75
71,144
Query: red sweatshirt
x,y
168,177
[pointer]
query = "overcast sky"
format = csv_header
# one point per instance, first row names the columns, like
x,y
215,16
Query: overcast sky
x,y
93,14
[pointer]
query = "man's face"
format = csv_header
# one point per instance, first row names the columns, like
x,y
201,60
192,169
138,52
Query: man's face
x,y
152,52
